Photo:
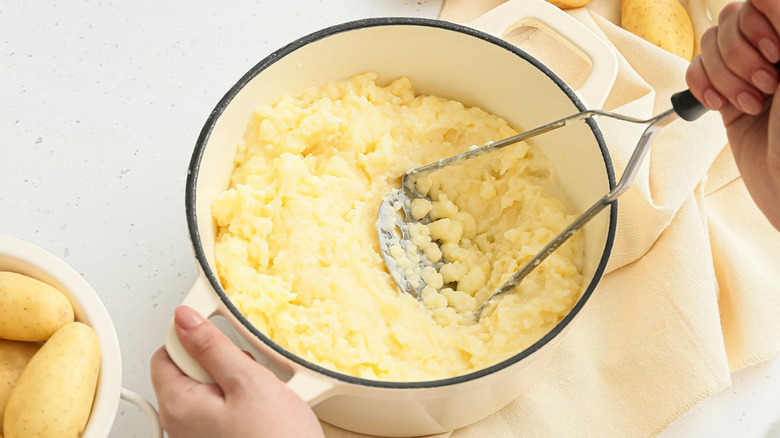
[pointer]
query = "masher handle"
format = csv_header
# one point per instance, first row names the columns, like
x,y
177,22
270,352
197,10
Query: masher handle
x,y
687,106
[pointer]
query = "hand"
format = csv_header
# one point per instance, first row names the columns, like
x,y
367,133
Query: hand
x,y
245,401
735,74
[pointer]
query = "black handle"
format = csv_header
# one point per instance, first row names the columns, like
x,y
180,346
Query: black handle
x,y
687,106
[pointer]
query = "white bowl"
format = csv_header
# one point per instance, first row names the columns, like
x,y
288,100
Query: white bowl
x,y
27,259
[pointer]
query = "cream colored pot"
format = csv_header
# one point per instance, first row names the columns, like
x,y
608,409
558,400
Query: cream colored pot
x,y
444,59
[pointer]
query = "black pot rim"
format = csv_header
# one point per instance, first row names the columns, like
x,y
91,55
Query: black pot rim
x,y
194,167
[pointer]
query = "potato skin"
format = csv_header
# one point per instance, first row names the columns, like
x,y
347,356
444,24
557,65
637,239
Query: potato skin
x,y
664,23
54,395
31,310
570,4
14,356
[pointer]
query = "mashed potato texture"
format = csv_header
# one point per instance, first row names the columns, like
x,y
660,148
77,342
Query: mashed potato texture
x,y
297,249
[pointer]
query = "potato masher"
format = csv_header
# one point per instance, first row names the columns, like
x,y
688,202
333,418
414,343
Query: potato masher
x,y
394,218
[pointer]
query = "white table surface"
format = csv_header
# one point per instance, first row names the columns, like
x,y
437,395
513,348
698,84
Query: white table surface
x,y
100,106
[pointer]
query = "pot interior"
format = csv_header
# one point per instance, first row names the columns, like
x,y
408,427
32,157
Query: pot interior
x,y
441,59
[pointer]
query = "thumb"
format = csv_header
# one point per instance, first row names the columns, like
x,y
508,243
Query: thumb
x,y
224,361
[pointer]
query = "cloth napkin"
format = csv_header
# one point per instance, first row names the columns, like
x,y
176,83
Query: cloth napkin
x,y
692,290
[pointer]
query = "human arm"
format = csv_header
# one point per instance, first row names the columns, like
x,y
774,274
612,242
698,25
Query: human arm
x,y
736,75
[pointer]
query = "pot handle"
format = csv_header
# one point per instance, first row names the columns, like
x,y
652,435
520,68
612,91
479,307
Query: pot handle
x,y
203,300
312,389
146,408
201,297
576,36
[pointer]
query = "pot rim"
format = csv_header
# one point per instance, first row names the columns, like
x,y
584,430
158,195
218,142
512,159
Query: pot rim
x,y
194,167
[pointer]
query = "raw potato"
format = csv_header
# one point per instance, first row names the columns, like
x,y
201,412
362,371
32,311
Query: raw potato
x,y
31,310
53,397
14,356
664,23
570,4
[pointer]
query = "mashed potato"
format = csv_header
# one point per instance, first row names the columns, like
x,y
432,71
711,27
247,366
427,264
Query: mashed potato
x,y
297,249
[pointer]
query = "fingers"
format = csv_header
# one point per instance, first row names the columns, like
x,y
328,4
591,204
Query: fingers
x,y
740,92
764,22
230,367
741,55
701,87
179,397
168,380
759,30
164,373
737,60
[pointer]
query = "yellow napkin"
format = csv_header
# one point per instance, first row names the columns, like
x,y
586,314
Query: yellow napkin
x,y
692,291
